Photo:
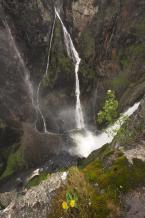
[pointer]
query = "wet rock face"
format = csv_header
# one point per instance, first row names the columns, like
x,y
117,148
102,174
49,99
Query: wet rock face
x,y
15,102
135,148
38,147
109,37
32,25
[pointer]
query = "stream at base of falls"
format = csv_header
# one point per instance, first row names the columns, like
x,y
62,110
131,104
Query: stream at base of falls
x,y
86,141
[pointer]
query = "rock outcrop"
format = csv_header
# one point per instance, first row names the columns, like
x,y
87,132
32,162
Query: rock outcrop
x,y
35,202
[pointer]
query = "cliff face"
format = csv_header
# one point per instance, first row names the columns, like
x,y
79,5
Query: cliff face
x,y
113,35
109,37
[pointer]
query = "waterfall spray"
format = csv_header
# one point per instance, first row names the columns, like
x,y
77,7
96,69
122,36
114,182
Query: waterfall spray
x,y
73,54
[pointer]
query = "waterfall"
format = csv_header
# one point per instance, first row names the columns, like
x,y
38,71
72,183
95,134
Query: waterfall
x,y
88,142
26,71
39,109
73,54
50,45
46,73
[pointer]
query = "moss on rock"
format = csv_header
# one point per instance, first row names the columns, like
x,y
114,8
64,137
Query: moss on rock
x,y
15,161
99,183
37,180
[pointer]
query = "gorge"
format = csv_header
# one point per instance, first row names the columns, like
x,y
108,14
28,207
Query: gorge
x,y
59,59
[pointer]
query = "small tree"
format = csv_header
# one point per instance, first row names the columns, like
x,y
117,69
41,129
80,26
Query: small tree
x,y
109,111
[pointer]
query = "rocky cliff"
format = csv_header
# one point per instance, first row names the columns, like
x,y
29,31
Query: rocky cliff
x,y
109,37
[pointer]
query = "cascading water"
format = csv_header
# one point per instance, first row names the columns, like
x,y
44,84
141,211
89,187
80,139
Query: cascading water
x,y
73,54
26,71
50,45
46,72
87,142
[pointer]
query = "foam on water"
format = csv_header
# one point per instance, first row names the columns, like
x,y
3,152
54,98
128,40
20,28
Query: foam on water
x,y
87,142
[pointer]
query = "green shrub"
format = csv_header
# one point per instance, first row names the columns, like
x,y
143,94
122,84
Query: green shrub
x,y
109,111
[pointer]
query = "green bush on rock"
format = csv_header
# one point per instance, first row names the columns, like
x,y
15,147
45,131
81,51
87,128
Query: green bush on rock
x,y
109,111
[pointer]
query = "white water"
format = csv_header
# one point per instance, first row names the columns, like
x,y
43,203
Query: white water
x,y
73,54
50,45
46,73
39,109
87,142
26,71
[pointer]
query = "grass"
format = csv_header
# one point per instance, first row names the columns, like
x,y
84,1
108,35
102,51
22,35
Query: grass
x,y
98,183
117,175
90,204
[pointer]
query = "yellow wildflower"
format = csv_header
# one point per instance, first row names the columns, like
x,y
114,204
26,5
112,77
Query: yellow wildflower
x,y
64,205
72,203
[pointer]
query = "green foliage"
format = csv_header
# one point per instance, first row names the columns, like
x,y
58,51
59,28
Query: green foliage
x,y
71,196
109,111
117,176
99,185
90,202
15,163
37,179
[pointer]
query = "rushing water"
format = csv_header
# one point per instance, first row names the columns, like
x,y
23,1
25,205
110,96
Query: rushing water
x,y
73,54
86,142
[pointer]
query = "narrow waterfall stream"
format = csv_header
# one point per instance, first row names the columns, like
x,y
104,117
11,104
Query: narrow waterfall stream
x,y
26,71
73,54
46,72
27,76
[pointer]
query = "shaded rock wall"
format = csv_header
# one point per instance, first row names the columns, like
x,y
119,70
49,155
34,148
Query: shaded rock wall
x,y
109,36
